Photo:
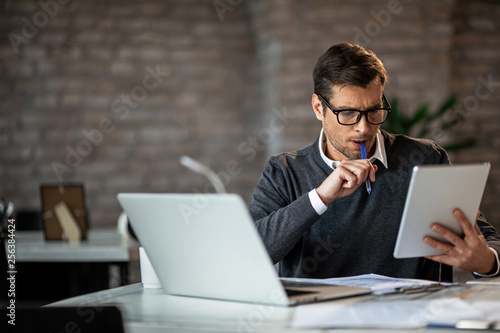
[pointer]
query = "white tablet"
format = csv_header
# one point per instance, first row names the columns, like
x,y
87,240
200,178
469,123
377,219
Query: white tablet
x,y
435,192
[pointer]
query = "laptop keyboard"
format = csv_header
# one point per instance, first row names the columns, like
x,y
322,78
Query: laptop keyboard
x,y
291,292
298,284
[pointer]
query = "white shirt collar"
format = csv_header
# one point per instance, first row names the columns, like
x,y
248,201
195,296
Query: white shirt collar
x,y
378,155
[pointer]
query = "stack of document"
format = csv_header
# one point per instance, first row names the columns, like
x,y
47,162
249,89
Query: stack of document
x,y
380,284
388,312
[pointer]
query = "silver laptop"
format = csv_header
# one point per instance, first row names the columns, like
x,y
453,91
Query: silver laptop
x,y
206,245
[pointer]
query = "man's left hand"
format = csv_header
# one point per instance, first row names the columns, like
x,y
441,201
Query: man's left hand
x,y
470,253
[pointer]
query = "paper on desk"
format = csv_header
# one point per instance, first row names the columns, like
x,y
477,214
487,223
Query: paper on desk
x,y
489,309
384,314
379,284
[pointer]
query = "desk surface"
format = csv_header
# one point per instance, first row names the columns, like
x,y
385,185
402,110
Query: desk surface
x,y
102,245
152,310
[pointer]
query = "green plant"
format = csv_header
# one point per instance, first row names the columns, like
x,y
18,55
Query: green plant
x,y
424,122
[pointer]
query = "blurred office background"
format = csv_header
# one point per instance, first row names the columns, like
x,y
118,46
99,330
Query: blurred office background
x,y
112,93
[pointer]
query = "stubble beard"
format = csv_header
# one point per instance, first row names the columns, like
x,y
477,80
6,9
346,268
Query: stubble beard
x,y
341,149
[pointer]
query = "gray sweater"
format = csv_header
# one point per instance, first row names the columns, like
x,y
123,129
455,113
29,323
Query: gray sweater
x,y
357,234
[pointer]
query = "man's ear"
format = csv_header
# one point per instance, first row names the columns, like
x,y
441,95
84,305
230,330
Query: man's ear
x,y
317,106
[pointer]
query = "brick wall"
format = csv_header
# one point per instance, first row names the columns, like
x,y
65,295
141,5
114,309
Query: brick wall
x,y
112,93
476,79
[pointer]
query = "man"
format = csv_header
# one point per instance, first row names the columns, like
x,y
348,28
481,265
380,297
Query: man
x,y
313,210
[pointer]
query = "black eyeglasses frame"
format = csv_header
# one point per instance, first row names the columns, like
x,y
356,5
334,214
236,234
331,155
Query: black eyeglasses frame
x,y
361,113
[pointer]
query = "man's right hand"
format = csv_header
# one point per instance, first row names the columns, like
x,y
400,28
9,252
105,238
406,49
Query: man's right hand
x,y
345,179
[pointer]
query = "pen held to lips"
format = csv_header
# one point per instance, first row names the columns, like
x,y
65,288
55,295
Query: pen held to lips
x,y
363,156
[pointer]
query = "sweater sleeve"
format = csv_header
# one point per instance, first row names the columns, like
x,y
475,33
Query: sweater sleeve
x,y
280,217
491,236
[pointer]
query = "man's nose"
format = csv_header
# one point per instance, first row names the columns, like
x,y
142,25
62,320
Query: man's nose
x,y
362,125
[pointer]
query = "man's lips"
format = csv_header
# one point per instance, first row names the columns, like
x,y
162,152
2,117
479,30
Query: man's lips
x,y
357,143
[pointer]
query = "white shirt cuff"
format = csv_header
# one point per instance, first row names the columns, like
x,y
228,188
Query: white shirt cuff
x,y
498,265
317,203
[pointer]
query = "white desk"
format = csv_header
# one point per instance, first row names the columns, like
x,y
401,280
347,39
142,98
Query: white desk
x,y
98,263
102,245
149,310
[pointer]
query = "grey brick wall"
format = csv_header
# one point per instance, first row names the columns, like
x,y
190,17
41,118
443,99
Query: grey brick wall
x,y
113,93
476,79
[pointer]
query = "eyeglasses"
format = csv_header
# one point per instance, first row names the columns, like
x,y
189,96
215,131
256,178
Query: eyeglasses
x,y
348,117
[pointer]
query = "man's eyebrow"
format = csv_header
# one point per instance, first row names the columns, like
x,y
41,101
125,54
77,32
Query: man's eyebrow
x,y
346,107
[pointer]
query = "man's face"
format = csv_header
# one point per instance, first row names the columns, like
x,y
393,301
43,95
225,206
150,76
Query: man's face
x,y
344,141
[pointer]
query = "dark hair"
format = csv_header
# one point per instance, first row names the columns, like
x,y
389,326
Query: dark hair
x,y
347,64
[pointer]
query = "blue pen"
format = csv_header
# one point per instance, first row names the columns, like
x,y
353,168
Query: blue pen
x,y
367,182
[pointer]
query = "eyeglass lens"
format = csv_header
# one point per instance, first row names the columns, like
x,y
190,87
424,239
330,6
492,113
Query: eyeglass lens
x,y
351,117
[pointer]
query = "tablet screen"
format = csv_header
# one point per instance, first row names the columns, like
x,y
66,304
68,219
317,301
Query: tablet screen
x,y
435,192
